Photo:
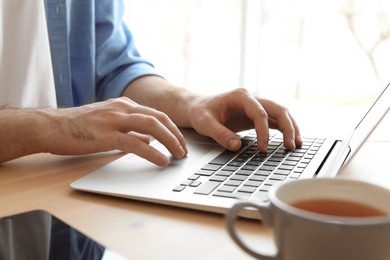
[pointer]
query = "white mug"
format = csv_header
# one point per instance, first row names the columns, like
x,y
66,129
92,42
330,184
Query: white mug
x,y
310,233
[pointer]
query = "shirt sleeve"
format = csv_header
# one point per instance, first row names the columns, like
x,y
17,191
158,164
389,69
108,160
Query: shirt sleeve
x,y
118,61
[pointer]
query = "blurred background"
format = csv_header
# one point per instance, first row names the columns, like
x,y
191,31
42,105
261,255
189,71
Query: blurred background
x,y
331,56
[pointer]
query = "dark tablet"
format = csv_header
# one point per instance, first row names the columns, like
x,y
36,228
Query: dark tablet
x,y
41,236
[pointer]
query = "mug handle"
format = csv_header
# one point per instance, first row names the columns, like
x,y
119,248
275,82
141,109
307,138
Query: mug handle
x,y
232,215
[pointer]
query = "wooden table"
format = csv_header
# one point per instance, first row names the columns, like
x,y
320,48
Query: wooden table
x,y
141,230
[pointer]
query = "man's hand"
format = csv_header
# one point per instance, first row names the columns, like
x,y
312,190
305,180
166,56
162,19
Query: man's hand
x,y
217,116
113,124
222,115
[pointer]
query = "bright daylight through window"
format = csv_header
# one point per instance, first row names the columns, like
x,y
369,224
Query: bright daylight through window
x,y
334,54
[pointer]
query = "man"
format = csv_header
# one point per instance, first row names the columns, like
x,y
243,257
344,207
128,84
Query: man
x,y
94,62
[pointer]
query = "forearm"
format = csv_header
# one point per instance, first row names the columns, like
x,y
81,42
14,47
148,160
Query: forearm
x,y
156,92
21,132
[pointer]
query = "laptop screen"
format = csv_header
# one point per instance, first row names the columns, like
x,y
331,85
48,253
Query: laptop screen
x,y
367,124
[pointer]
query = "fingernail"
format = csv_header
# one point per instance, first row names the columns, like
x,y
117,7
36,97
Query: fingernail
x,y
293,143
300,139
164,161
233,144
182,152
264,148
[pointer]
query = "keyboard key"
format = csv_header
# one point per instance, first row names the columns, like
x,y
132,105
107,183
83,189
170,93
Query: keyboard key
x,y
258,178
245,156
252,149
262,172
236,195
244,172
295,175
260,196
224,173
272,182
265,188
274,143
286,167
195,184
211,167
292,163
254,162
223,158
306,161
308,156
282,172
236,163
238,177
186,182
193,177
253,183
249,167
272,163
293,158
274,159
239,159
230,168
314,148
300,150
298,154
179,188
247,189
207,187
260,157
218,178
227,188
204,173
267,168
277,177
248,139
270,150
243,195
233,183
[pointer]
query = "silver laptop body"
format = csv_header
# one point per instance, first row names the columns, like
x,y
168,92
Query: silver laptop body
x,y
189,183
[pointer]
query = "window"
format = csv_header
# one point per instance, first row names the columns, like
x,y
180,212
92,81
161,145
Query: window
x,y
335,53
193,43
325,50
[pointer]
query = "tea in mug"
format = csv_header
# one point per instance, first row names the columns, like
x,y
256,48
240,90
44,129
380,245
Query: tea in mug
x,y
341,208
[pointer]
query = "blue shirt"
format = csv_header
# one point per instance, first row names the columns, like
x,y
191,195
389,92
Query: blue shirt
x,y
93,52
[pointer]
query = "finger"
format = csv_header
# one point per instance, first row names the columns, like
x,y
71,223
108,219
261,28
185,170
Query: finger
x,y
298,140
281,119
150,125
128,106
259,116
166,121
144,138
262,129
221,134
131,143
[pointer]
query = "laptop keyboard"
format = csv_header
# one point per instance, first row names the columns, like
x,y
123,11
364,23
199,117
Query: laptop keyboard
x,y
249,174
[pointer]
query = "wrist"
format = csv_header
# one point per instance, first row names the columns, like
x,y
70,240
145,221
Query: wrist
x,y
22,132
158,93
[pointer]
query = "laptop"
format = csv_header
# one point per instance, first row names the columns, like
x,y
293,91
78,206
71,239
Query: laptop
x,y
213,179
